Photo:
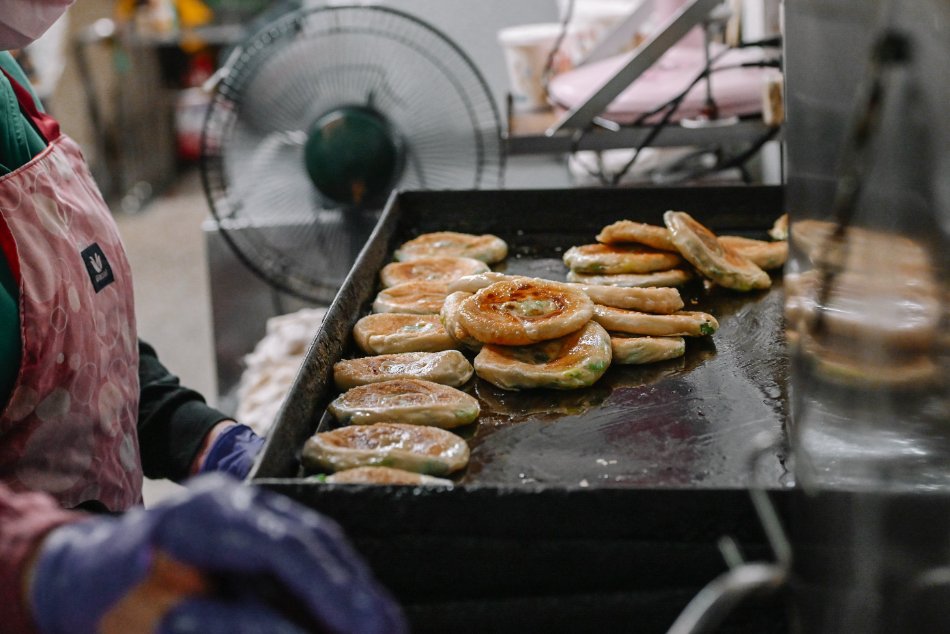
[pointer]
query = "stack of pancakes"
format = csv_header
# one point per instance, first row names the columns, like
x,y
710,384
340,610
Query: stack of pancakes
x,y
631,253
440,300
865,308
398,402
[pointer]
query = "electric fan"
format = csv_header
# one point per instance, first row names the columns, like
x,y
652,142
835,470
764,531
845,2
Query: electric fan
x,y
318,116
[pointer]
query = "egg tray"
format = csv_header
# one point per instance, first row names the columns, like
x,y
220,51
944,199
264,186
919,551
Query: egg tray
x,y
605,500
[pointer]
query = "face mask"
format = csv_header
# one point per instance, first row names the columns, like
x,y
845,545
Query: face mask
x,y
22,21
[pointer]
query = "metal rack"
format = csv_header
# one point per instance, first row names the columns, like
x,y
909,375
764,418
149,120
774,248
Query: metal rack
x,y
583,128
528,134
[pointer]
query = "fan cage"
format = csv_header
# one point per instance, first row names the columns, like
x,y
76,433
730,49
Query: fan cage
x,y
258,231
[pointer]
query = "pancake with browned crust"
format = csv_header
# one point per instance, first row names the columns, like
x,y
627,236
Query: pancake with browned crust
x,y
720,264
474,283
450,320
386,476
867,367
411,447
633,350
649,300
765,255
779,230
523,311
566,363
417,298
411,401
673,277
659,299
430,269
611,259
908,310
858,250
387,333
449,367
814,237
487,248
680,324
639,232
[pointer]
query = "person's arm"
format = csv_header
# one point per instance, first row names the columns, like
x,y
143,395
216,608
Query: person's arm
x,y
180,435
174,422
211,560
222,557
25,519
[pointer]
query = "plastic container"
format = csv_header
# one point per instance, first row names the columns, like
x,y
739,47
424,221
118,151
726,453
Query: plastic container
x,y
527,48
593,20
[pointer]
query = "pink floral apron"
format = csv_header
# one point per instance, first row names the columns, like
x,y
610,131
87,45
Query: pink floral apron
x,y
69,427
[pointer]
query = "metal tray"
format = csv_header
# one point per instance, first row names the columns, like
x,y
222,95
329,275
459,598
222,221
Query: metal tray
x,y
613,495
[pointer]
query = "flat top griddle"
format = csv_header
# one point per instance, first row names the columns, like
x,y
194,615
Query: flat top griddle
x,y
686,423
598,508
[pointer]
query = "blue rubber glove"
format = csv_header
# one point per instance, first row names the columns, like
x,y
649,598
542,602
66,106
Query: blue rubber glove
x,y
233,451
246,539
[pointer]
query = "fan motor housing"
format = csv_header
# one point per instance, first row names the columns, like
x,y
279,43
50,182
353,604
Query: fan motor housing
x,y
353,156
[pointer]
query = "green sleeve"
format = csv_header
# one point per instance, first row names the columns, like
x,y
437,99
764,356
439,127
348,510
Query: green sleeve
x,y
19,140
173,419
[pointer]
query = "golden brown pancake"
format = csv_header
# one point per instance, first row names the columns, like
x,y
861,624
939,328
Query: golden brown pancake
x,y
473,283
680,324
866,367
411,401
450,321
629,350
430,269
417,298
387,333
648,300
779,230
487,248
916,373
906,316
385,476
722,265
449,367
411,447
630,231
765,255
673,277
574,361
612,259
811,236
881,321
862,249
523,311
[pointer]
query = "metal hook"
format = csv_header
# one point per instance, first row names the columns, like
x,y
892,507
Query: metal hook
x,y
721,596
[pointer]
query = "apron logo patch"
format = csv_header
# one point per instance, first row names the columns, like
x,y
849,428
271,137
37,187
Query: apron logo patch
x,y
100,273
